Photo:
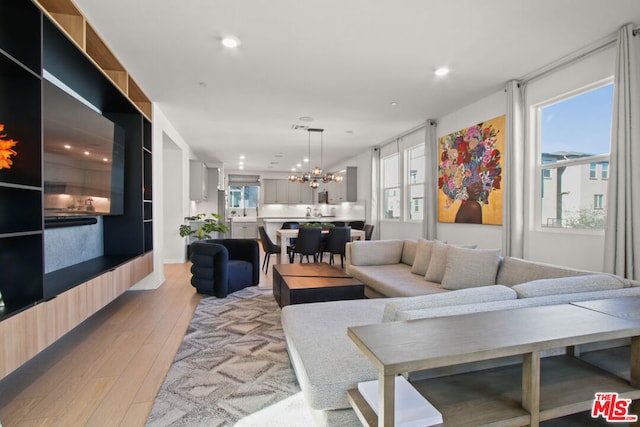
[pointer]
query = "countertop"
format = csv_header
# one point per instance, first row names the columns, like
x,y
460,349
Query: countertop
x,y
312,219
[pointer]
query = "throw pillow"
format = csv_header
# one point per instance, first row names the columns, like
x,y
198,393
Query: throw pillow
x,y
408,251
469,268
437,263
423,256
567,285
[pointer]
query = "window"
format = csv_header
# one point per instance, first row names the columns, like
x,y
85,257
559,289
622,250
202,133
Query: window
x,y
598,200
415,182
574,143
244,196
391,186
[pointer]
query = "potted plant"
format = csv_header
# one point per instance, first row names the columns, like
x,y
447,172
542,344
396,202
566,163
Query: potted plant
x,y
200,226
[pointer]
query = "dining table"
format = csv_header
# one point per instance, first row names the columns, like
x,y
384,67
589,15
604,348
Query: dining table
x,y
284,236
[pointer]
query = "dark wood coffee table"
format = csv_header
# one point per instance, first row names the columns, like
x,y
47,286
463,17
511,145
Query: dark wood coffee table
x,y
313,282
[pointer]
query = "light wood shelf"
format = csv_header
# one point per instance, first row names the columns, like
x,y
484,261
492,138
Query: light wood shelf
x,y
491,396
28,333
73,23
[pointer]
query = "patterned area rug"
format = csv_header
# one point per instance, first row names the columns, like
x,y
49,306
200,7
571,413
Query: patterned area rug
x,y
232,368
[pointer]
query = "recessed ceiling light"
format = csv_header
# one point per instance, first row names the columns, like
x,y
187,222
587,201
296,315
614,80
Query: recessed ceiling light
x,y
394,104
241,156
230,42
293,169
305,160
299,165
86,153
240,167
442,71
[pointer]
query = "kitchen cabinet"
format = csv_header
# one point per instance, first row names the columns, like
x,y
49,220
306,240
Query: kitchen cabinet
x,y
345,191
198,180
300,194
281,191
244,229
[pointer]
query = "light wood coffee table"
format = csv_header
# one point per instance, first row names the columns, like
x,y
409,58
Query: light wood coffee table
x,y
313,282
511,395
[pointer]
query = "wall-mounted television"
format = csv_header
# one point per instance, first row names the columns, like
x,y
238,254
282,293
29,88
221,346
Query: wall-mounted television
x,y
83,157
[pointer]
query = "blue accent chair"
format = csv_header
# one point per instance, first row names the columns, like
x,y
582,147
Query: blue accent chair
x,y
223,266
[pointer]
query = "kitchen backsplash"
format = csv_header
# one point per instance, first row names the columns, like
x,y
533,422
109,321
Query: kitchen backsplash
x,y
353,210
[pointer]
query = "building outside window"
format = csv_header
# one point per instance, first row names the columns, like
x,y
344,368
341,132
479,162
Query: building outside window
x,y
244,196
391,186
415,182
574,142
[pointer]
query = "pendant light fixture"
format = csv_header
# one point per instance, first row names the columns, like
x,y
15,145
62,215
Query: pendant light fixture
x,y
315,176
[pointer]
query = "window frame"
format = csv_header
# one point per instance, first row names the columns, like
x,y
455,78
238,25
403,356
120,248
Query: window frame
x,y
397,187
242,198
539,167
409,185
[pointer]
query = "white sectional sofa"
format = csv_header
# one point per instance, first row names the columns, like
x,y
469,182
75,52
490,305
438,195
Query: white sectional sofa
x,y
461,280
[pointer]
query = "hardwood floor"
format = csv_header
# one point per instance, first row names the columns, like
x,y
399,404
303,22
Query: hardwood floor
x,y
108,370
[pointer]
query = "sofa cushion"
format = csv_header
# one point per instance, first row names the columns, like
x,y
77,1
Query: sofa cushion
x,y
409,252
326,362
393,280
459,297
566,285
467,268
515,270
422,257
376,252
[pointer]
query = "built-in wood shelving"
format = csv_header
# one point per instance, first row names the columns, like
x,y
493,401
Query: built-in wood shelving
x,y
73,23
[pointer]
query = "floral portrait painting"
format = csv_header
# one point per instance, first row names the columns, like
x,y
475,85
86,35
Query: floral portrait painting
x,y
470,174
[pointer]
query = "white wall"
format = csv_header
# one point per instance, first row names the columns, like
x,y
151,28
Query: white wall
x,y
162,127
578,249
574,248
173,244
485,236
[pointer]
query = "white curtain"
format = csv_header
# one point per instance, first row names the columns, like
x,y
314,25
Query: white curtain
x,y
430,181
375,190
622,233
513,173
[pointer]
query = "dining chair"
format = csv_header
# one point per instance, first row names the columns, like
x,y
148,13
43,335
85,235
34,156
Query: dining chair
x,y
337,239
268,246
307,243
290,225
338,223
368,231
356,225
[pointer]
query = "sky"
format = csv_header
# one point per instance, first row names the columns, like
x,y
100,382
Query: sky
x,y
581,123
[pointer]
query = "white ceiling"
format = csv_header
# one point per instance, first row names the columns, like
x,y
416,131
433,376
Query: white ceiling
x,y
342,62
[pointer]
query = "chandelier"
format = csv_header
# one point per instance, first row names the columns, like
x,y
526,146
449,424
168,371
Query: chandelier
x,y
315,176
